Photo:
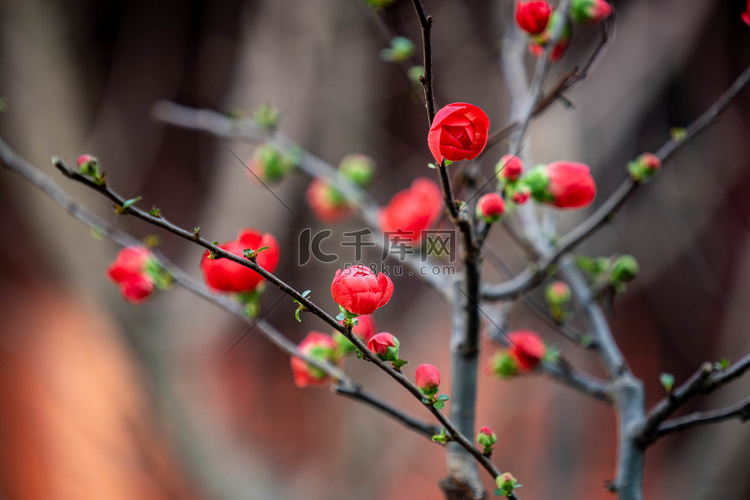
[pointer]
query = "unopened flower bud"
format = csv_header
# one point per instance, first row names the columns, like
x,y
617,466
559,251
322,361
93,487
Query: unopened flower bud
x,y
385,346
428,379
624,269
590,11
490,207
527,350
520,194
267,116
533,16
537,44
509,168
486,438
558,297
88,165
506,483
270,164
643,168
400,50
503,365
359,169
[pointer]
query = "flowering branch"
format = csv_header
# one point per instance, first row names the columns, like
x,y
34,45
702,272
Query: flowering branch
x,y
222,126
533,275
453,432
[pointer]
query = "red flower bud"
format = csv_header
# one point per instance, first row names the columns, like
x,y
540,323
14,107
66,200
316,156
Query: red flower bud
x,y
359,290
746,15
412,211
563,184
428,379
532,16
326,202
643,168
590,11
509,168
536,46
129,271
558,296
570,184
223,275
385,346
521,195
527,349
458,132
491,207
486,438
318,346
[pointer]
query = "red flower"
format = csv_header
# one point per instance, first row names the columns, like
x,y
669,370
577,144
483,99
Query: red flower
x,y
527,349
509,168
129,271
458,132
385,346
223,275
491,207
326,202
359,290
532,16
412,211
746,15
570,184
318,346
428,379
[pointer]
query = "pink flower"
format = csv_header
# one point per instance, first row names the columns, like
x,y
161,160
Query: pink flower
x,y
359,290
532,16
458,132
318,346
129,271
491,207
428,379
412,211
509,168
527,349
226,276
385,346
326,202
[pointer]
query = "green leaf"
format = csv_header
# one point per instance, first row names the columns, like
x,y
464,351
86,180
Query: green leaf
x,y
305,293
722,364
438,405
398,364
340,317
667,381
443,397
156,212
432,166
130,202
296,315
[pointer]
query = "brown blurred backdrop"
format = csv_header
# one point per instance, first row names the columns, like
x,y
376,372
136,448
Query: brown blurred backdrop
x,y
102,399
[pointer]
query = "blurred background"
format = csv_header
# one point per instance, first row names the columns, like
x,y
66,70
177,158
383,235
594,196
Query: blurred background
x,y
107,400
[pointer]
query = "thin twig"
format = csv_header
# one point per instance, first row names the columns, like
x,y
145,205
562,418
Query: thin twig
x,y
740,411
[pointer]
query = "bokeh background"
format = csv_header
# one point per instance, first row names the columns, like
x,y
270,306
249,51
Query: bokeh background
x,y
102,399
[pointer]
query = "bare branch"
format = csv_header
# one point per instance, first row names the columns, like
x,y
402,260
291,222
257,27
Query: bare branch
x,y
739,411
